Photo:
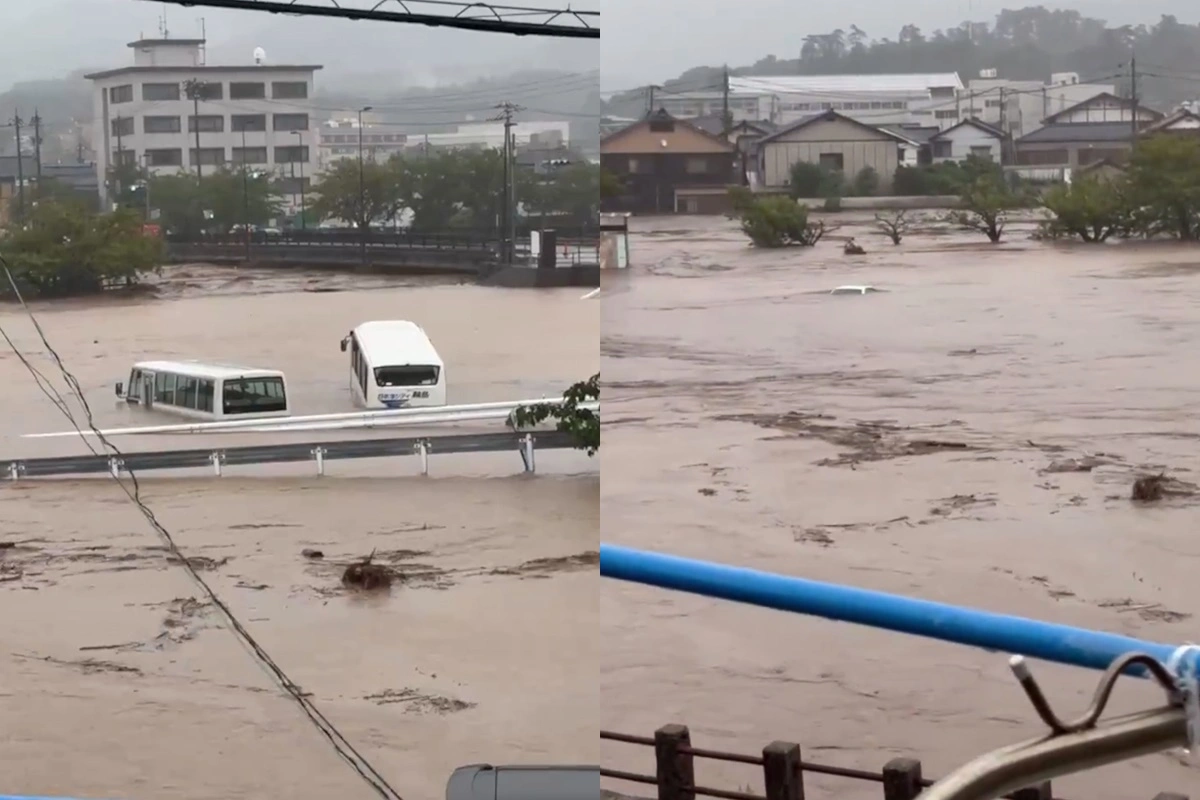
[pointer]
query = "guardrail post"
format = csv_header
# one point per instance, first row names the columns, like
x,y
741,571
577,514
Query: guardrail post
x,y
216,457
674,764
14,471
114,467
782,773
902,779
527,453
1039,791
319,455
423,452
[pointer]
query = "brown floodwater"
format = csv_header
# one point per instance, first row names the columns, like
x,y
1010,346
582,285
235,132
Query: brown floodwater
x,y
117,682
969,434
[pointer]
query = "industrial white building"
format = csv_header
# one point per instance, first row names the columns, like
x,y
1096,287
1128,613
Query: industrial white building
x,y
258,114
1020,106
924,98
340,138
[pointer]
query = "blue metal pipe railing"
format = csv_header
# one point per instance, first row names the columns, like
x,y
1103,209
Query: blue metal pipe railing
x,y
1061,644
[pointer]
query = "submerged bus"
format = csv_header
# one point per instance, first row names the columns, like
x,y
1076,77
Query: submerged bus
x,y
394,365
206,391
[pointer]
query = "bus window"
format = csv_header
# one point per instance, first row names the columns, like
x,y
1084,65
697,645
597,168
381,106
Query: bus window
x,y
406,376
185,392
204,395
253,395
163,393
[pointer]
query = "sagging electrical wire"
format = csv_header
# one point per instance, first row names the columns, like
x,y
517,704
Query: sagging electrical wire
x,y
132,490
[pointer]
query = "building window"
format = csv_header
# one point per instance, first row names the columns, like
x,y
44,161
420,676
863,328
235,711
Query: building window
x,y
290,122
206,123
291,185
696,165
209,156
247,91
153,92
206,91
161,125
982,151
164,158
991,103
248,122
121,94
288,155
634,166
946,113
1043,158
289,90
249,155
122,126
832,161
124,158
942,149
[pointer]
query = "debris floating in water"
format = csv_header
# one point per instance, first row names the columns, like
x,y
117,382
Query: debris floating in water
x,y
853,290
368,576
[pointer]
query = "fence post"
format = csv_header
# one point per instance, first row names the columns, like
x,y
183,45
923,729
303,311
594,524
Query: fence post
x,y
674,765
782,774
902,779
1039,791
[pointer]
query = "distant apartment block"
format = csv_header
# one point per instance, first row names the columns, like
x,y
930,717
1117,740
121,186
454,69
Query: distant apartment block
x,y
1019,107
260,115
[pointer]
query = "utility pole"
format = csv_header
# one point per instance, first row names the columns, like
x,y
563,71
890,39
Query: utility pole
x,y
509,212
37,148
195,90
245,196
726,122
1133,101
1003,126
650,103
120,159
303,210
17,123
364,223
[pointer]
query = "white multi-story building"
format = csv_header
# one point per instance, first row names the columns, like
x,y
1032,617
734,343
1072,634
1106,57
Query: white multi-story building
x,y
744,106
923,98
1018,107
259,115
340,138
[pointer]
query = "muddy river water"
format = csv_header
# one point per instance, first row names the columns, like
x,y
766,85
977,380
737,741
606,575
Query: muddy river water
x,y
117,681
969,435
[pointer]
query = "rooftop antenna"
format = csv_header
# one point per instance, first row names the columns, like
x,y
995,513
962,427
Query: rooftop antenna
x,y
203,43
162,23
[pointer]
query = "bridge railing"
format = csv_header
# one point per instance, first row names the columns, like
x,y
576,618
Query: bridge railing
x,y
782,769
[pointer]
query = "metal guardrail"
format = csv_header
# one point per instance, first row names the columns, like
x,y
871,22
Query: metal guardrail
x,y
217,459
783,771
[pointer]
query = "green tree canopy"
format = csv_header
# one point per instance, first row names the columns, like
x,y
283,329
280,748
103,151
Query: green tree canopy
x,y
233,196
66,250
1164,181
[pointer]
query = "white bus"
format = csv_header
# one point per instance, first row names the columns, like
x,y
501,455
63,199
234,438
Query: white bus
x,y
206,391
394,365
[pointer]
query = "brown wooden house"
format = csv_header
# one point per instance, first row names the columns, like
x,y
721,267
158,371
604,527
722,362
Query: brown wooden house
x,y
669,166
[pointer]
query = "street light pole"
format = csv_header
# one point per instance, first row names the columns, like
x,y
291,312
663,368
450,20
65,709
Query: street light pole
x,y
245,197
303,210
362,189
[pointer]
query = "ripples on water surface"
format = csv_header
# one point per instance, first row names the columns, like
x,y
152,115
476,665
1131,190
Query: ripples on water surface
x,y
910,441
117,683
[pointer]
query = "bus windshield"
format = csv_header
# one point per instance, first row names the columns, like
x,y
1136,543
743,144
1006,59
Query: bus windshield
x,y
253,395
408,375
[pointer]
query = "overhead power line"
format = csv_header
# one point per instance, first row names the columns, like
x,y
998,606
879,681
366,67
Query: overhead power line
x,y
562,23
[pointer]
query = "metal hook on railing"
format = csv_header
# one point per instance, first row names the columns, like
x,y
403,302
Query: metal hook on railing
x,y
1077,745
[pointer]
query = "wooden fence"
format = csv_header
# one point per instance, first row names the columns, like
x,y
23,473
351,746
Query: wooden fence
x,y
782,769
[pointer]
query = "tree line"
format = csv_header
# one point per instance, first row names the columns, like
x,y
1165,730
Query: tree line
x,y
1155,195
1021,44
443,191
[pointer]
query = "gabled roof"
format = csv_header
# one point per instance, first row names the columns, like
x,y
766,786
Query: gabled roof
x,y
719,142
918,133
1120,101
831,116
1066,132
1104,162
1166,123
975,123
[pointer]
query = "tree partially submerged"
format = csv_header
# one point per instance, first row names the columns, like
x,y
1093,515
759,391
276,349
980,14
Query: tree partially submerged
x,y
774,221
582,423
66,250
1088,208
1164,186
987,202
893,224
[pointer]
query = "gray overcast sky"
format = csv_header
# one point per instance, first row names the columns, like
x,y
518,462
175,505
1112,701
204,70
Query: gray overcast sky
x,y
649,41
51,38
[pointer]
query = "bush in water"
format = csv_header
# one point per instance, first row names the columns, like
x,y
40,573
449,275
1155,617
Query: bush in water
x,y
582,423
